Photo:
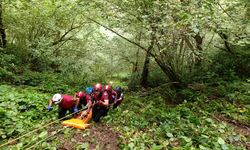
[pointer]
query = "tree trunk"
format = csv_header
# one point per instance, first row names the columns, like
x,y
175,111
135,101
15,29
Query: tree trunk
x,y
135,67
165,68
144,76
3,41
199,42
226,43
171,74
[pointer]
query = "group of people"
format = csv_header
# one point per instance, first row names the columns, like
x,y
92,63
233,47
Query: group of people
x,y
98,99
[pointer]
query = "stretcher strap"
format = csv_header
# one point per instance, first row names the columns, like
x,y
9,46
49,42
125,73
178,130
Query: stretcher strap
x,y
45,139
36,129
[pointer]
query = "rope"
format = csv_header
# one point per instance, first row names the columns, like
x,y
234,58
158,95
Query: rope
x,y
37,129
45,139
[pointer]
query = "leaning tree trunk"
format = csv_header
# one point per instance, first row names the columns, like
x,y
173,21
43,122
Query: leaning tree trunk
x,y
144,76
172,75
3,41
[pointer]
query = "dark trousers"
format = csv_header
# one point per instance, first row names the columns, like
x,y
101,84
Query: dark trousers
x,y
116,104
62,112
111,101
98,112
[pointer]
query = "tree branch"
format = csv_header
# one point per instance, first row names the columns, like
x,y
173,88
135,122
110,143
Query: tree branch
x,y
224,10
61,39
130,41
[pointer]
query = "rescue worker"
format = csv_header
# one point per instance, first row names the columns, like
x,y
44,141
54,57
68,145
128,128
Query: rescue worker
x,y
101,101
119,98
112,94
65,103
89,90
84,101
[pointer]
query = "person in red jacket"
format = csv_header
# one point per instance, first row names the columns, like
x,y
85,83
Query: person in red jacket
x,y
65,103
101,101
112,94
84,100
119,98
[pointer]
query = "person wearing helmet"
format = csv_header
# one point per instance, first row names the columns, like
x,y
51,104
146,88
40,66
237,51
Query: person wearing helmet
x,y
83,99
112,94
101,101
119,98
89,90
65,103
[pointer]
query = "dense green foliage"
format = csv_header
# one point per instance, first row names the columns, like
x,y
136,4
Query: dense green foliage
x,y
193,56
21,110
146,121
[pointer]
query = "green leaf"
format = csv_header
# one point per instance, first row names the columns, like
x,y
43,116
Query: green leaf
x,y
202,147
209,120
85,146
170,135
131,145
196,30
224,147
221,141
44,144
157,147
187,139
19,145
4,136
53,148
43,134
126,128
205,136
221,130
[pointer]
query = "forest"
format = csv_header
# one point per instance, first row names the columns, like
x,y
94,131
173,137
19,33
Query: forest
x,y
183,67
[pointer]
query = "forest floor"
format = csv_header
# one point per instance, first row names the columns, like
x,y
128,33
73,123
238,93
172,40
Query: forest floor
x,y
98,136
144,121
239,127
102,136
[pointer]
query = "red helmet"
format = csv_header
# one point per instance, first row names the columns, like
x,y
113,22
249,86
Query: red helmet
x,y
98,87
107,88
80,94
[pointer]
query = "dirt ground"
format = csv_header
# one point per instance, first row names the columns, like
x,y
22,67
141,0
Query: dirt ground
x,y
98,136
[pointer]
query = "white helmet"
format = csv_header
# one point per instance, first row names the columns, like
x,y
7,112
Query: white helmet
x,y
57,98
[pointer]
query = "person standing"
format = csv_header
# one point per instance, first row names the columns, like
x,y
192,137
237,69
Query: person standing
x,y
101,102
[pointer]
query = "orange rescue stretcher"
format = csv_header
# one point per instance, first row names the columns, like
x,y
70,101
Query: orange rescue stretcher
x,y
78,122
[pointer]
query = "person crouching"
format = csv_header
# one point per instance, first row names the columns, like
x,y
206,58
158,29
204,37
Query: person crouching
x,y
65,103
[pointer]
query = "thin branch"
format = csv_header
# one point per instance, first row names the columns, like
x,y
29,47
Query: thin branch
x,y
58,48
225,11
145,49
61,39
206,47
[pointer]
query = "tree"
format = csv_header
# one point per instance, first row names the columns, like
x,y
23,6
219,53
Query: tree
x,y
3,41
